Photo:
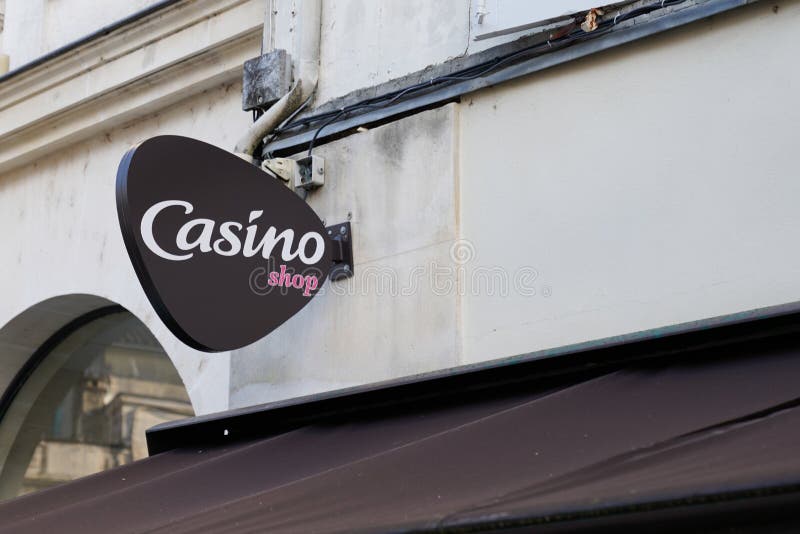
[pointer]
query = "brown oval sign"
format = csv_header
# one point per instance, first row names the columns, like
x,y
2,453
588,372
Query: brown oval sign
x,y
224,252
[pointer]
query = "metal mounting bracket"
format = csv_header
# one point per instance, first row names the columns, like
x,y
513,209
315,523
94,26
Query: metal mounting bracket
x,y
341,240
307,173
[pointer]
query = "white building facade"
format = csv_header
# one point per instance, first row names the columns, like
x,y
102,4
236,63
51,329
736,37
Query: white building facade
x,y
637,179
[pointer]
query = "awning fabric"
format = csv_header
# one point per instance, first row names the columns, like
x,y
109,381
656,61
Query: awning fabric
x,y
703,439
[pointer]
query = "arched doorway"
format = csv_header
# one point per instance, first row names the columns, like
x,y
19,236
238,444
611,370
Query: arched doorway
x,y
81,403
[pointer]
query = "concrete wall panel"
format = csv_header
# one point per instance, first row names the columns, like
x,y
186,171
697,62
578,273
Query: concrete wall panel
x,y
648,186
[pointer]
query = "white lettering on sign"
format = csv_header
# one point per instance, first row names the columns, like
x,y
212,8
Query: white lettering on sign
x,y
229,242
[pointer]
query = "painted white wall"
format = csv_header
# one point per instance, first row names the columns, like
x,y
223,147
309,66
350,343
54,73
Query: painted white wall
x,y
23,33
35,27
397,183
643,187
61,234
648,186
68,20
64,126
2,23
366,42
493,21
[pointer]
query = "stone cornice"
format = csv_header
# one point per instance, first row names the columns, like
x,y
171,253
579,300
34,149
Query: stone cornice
x,y
134,70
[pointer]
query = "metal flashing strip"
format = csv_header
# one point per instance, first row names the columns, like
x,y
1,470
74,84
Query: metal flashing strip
x,y
438,96
454,385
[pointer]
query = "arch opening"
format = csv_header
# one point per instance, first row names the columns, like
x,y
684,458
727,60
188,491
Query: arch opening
x,y
83,399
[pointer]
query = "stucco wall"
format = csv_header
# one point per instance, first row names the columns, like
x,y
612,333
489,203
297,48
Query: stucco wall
x,y
65,124
366,42
648,186
40,26
638,188
397,185
61,234
643,187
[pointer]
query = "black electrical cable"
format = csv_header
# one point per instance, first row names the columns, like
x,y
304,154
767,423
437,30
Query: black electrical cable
x,y
316,134
470,73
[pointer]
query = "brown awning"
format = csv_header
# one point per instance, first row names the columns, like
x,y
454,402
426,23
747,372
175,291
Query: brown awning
x,y
702,434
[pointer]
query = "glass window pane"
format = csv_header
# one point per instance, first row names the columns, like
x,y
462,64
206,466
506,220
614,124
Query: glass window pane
x,y
86,406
